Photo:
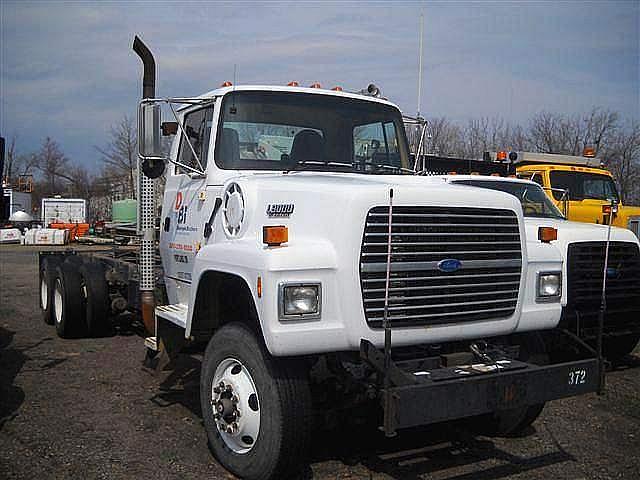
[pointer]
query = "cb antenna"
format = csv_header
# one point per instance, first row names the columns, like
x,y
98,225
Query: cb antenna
x,y
420,63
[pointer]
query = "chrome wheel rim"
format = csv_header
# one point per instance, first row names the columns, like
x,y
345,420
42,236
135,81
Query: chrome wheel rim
x,y
235,405
57,302
44,293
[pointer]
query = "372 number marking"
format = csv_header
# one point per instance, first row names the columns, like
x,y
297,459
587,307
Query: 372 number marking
x,y
577,377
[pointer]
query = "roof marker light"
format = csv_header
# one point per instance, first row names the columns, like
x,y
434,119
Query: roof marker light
x,y
315,85
501,156
293,84
337,89
227,84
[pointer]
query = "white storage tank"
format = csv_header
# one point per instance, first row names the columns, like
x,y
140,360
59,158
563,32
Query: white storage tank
x,y
46,236
10,235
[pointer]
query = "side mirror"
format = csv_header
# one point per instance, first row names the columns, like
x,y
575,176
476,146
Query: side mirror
x,y
149,132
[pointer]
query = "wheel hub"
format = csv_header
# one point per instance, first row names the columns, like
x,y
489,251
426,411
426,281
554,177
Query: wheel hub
x,y
235,406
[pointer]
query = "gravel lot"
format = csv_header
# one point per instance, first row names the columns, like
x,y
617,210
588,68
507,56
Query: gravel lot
x,y
87,409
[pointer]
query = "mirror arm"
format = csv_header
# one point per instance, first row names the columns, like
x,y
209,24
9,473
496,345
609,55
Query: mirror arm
x,y
184,133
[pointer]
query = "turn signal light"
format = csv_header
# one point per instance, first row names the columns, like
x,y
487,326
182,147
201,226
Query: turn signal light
x,y
608,208
501,156
315,85
589,152
293,84
275,235
547,234
227,84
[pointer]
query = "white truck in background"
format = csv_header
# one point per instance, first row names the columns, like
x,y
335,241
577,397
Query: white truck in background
x,y
63,210
583,250
323,277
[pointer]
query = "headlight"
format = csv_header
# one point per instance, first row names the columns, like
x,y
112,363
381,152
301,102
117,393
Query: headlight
x,y
549,286
299,301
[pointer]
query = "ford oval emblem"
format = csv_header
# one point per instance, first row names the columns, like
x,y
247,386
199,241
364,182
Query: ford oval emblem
x,y
449,265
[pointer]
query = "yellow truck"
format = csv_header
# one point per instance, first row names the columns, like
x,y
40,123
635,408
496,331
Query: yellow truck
x,y
579,185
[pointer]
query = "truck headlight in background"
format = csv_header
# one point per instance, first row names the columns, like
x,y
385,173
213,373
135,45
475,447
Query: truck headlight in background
x,y
299,301
549,286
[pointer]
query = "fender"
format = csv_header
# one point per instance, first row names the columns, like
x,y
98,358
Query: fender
x,y
247,259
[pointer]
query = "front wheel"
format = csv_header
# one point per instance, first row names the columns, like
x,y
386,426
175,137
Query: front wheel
x,y
256,408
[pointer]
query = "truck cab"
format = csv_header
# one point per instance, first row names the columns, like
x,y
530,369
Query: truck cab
x,y
582,247
579,186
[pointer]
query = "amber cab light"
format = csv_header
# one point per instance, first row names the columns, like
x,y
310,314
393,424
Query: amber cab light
x,y
501,156
293,84
275,235
315,85
589,152
337,89
227,84
547,234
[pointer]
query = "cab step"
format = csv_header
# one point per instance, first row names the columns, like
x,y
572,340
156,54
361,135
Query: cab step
x,y
151,343
175,313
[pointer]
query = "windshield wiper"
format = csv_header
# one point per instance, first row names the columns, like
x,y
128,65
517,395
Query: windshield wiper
x,y
324,163
382,166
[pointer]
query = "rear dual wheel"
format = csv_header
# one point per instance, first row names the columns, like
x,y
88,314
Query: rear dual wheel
x,y
74,296
47,279
68,307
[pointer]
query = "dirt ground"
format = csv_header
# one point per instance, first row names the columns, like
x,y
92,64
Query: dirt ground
x,y
87,409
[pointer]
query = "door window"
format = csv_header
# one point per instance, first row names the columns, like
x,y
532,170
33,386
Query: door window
x,y
375,144
197,126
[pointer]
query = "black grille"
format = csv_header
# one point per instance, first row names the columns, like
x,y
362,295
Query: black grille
x,y
585,272
485,241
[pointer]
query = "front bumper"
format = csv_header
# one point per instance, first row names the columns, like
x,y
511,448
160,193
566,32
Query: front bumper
x,y
429,396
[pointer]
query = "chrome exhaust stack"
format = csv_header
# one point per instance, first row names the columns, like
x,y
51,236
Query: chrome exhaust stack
x,y
146,202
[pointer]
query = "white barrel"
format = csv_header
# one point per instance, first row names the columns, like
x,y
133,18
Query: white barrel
x,y
10,235
46,236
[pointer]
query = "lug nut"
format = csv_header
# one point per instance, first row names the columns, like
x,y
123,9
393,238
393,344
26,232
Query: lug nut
x,y
216,416
235,399
229,430
216,390
238,414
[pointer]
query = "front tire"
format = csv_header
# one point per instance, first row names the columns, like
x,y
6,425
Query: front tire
x,y
616,348
269,439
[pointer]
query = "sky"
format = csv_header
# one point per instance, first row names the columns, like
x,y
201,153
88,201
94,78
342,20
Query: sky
x,y
67,70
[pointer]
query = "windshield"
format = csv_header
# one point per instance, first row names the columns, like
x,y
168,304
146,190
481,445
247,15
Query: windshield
x,y
583,185
535,202
301,131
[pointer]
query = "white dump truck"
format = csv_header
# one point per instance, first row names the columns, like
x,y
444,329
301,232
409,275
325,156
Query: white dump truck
x,y
321,276
583,247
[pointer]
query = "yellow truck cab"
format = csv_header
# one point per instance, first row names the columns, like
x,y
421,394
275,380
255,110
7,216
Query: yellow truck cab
x,y
579,186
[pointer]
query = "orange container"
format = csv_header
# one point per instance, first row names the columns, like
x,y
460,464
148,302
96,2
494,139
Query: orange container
x,y
75,229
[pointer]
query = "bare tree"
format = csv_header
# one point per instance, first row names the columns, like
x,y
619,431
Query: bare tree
x,y
621,155
445,138
566,134
120,154
54,166
16,164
